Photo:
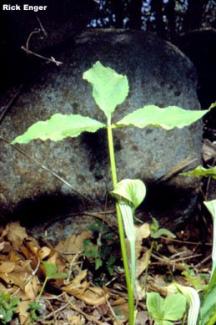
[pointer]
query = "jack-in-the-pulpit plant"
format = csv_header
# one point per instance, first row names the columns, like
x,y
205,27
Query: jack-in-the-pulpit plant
x,y
110,89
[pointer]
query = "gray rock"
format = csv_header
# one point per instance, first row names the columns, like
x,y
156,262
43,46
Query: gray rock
x,y
158,74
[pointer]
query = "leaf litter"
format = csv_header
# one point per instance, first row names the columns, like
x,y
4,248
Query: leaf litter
x,y
71,295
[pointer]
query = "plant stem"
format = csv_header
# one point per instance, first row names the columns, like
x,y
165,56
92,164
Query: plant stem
x,y
42,289
130,289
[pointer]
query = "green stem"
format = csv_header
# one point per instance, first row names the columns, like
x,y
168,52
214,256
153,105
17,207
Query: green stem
x,y
130,288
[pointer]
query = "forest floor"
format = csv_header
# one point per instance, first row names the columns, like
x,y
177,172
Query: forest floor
x,y
80,280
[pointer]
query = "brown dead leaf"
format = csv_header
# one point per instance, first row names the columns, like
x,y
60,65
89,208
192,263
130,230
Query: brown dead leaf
x,y
7,267
32,288
94,296
16,234
15,278
77,285
142,232
121,311
2,246
143,262
76,320
5,247
208,150
73,244
44,252
13,256
80,288
22,311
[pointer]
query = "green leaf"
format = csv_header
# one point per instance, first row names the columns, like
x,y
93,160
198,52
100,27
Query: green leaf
x,y
174,307
35,310
130,194
130,231
162,310
59,127
8,305
208,307
162,232
192,298
167,118
211,206
200,171
109,88
52,272
130,190
154,304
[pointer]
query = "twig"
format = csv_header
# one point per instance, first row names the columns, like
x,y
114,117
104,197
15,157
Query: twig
x,y
112,312
206,259
179,167
41,26
10,103
67,281
56,311
26,48
49,60
185,241
34,32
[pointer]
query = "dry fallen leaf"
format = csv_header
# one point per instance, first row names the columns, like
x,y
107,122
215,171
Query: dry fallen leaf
x,y
22,311
72,245
80,288
94,296
143,262
77,286
7,267
76,320
16,234
44,252
32,288
142,232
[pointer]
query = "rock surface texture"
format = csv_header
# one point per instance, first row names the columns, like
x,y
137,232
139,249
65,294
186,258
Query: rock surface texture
x,y
158,74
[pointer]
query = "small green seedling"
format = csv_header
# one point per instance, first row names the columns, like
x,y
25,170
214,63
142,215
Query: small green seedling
x,y
8,306
35,310
110,89
157,231
51,273
165,311
99,249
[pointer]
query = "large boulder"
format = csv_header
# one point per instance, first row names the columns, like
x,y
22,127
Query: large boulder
x,y
158,74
